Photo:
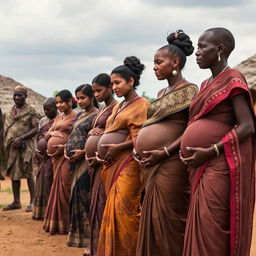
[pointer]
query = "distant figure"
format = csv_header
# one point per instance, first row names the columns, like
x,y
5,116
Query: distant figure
x,y
43,161
20,128
1,138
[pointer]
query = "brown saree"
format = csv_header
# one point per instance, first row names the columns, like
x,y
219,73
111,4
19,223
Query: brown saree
x,y
98,196
223,189
165,204
57,212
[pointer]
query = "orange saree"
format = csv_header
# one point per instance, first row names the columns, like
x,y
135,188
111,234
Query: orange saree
x,y
120,223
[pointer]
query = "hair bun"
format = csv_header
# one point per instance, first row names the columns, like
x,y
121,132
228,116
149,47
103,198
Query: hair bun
x,y
181,40
134,64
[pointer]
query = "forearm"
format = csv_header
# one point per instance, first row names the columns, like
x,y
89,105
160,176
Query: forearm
x,y
174,146
125,145
30,134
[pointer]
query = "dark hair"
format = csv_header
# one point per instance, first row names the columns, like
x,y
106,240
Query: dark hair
x,y
132,68
66,96
102,79
87,90
223,35
181,45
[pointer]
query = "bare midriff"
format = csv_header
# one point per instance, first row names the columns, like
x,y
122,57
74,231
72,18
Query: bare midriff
x,y
91,145
115,137
161,134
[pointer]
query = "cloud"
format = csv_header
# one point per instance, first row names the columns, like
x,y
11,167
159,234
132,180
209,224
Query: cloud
x,y
50,45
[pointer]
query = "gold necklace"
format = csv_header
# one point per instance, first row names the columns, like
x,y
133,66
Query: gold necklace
x,y
172,88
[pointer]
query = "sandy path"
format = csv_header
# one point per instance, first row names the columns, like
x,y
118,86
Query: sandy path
x,y
20,235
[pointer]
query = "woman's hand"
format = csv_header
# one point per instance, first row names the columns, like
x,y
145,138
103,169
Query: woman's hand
x,y
17,142
113,150
78,154
95,132
152,158
199,157
59,150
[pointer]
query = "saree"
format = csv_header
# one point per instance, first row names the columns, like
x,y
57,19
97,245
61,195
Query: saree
x,y
57,213
79,205
19,160
98,196
120,222
44,175
223,189
166,199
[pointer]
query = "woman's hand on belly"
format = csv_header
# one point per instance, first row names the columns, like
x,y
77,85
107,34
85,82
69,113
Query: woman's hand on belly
x,y
199,156
152,157
113,150
78,154
95,132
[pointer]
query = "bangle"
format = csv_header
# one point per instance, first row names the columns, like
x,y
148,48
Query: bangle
x,y
216,149
166,151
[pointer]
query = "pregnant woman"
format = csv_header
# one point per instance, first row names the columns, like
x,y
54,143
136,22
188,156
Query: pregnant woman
x,y
102,89
56,216
219,148
163,174
121,175
79,205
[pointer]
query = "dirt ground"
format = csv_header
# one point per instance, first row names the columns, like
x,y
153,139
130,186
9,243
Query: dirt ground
x,y
20,235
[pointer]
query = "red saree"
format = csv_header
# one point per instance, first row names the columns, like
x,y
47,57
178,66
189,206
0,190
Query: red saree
x,y
223,189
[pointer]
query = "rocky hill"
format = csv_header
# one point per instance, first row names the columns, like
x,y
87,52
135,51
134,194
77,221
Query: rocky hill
x,y
7,86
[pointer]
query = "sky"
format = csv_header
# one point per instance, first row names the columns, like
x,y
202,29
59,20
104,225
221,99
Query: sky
x,y
52,45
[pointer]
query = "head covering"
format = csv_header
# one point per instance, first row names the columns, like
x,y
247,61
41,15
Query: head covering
x,y
20,88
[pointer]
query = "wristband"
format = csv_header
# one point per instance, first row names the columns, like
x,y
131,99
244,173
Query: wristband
x,y
216,149
166,151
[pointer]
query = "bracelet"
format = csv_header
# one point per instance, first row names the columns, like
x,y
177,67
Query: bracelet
x,y
167,152
216,149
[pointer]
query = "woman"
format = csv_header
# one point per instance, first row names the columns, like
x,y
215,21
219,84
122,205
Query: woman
x,y
121,174
219,148
79,203
102,89
163,175
56,216
43,161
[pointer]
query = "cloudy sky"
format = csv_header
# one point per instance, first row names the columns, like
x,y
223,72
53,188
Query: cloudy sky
x,y
59,44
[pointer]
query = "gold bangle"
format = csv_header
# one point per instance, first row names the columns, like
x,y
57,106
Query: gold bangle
x,y
166,151
216,149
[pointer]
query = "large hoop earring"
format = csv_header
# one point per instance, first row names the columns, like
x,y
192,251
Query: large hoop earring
x,y
218,56
174,72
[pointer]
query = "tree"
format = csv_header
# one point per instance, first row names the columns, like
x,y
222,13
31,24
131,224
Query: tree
x,y
144,95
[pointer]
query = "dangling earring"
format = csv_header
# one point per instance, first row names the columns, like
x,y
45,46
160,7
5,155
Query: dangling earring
x,y
218,55
174,72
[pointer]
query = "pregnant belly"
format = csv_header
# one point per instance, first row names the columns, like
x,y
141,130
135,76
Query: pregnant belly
x,y
203,133
111,138
91,145
55,141
157,136
42,145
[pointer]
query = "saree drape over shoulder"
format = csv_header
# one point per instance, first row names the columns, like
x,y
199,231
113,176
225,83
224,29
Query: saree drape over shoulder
x,y
19,160
44,174
57,212
120,223
98,196
223,189
165,204
79,205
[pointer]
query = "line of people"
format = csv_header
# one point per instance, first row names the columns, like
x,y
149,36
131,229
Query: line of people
x,y
174,177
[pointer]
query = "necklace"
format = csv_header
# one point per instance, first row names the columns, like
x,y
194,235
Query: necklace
x,y
169,89
211,77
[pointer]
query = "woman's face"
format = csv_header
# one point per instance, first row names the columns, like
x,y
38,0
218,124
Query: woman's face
x,y
101,93
83,100
163,64
62,106
120,86
206,54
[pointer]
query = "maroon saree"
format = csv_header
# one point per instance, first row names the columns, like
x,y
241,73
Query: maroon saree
x,y
223,189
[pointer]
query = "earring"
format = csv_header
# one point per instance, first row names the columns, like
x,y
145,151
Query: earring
x,y
174,72
219,57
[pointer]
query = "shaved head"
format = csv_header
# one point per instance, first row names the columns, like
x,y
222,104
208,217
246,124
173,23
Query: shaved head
x,y
223,36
